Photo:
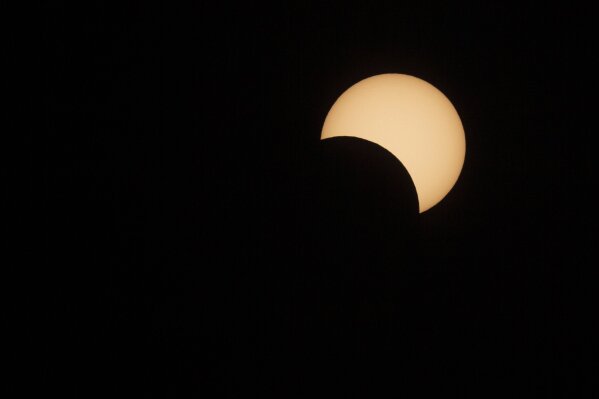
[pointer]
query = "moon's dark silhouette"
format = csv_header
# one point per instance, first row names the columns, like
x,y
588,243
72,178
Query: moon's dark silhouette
x,y
366,194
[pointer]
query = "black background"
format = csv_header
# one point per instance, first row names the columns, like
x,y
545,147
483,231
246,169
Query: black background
x,y
199,239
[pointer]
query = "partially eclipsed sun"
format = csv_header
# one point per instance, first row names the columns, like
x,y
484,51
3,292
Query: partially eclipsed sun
x,y
412,120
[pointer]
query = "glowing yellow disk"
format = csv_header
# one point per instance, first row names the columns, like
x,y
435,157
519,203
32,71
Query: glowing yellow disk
x,y
412,120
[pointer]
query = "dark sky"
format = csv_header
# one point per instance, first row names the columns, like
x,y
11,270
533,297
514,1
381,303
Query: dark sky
x,y
205,242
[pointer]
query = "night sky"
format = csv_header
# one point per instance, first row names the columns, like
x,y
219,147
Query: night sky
x,y
199,239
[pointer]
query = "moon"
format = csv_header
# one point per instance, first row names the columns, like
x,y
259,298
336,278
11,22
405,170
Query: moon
x,y
411,119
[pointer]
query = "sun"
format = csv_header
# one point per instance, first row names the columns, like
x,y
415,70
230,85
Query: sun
x,y
411,119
